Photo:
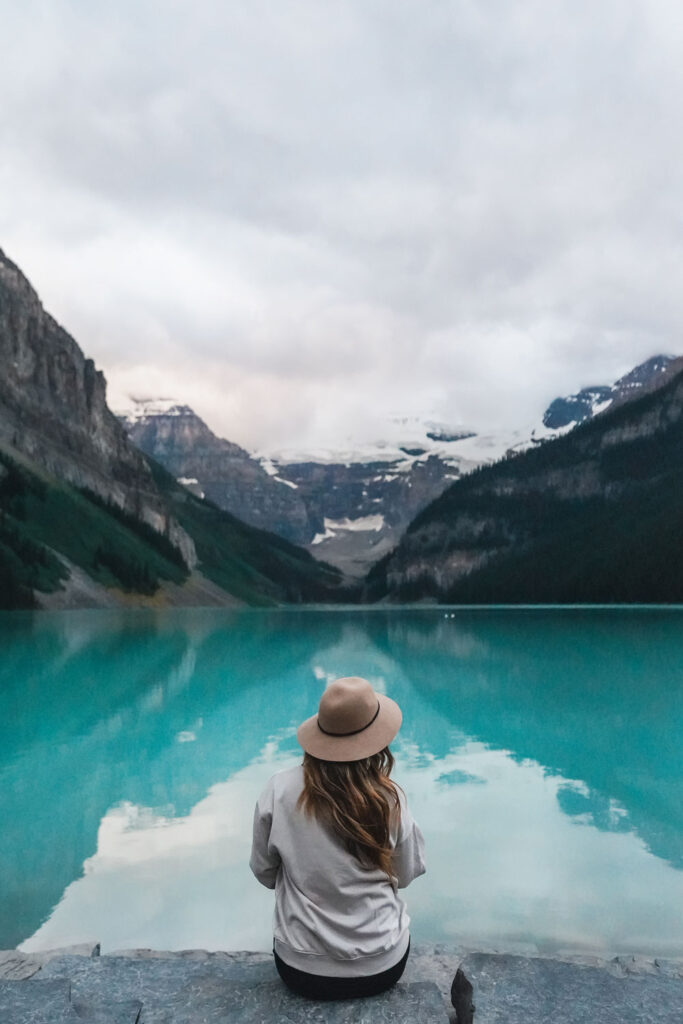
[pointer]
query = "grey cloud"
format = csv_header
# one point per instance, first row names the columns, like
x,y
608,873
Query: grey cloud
x,y
384,202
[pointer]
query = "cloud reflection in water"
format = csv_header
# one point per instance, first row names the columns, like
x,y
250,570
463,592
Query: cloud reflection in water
x,y
507,867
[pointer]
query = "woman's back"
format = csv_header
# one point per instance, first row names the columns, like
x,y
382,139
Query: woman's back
x,y
329,905
335,839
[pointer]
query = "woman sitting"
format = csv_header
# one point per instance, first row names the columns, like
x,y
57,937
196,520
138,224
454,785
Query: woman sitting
x,y
336,841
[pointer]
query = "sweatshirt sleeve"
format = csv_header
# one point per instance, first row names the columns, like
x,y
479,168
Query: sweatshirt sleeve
x,y
408,856
265,860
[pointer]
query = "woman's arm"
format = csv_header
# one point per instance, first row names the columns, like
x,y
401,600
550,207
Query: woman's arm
x,y
408,858
264,860
409,852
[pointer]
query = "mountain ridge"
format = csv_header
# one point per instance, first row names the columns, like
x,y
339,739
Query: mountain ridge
x,y
555,523
344,512
349,505
591,401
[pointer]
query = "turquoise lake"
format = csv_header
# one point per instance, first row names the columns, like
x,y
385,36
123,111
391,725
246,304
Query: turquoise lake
x,y
540,752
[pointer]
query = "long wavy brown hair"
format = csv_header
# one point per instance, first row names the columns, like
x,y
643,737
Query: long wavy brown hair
x,y
358,801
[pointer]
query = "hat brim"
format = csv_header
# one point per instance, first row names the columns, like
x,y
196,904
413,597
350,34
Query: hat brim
x,y
352,748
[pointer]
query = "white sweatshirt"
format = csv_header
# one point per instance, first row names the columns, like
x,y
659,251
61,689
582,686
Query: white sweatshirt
x,y
333,916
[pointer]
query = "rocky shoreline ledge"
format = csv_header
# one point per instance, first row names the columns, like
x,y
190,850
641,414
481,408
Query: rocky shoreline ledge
x,y
77,985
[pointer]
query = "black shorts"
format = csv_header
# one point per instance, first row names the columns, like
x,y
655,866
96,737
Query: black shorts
x,y
315,986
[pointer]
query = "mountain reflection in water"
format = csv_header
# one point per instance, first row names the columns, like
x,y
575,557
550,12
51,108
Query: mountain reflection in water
x,y
540,752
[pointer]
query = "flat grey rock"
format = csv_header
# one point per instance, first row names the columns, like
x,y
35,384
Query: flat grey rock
x,y
36,1002
123,977
240,956
635,965
17,965
200,987
87,949
212,1000
214,989
154,982
527,990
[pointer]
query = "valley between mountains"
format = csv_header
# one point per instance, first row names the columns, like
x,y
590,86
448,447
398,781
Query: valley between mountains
x,y
149,506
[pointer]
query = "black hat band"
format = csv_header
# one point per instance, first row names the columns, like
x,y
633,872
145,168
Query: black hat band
x,y
353,731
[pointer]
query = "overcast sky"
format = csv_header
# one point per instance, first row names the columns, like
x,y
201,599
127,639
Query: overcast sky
x,y
296,215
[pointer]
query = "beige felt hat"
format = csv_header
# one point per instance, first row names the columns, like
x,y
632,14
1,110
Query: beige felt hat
x,y
353,722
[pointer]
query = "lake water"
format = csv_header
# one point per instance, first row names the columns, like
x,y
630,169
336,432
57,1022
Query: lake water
x,y
540,752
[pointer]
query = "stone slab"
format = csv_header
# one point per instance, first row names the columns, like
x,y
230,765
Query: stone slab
x,y
240,956
37,1002
125,977
214,989
154,982
212,1000
14,964
528,990
435,962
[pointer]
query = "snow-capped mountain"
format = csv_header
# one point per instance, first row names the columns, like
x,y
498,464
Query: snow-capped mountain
x,y
350,502
402,441
565,413
593,516
348,505
366,489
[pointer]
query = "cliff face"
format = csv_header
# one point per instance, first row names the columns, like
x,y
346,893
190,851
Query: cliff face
x,y
593,515
53,409
219,470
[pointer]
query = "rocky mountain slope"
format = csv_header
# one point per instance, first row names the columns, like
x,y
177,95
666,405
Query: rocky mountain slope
x,y
362,507
350,503
86,518
368,495
218,469
53,409
594,515
346,507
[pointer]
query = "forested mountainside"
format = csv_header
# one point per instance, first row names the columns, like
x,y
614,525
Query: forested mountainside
x,y
593,516
88,519
61,546
254,565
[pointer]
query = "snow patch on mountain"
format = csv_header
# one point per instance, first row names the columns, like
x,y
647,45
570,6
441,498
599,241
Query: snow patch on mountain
x,y
268,466
142,408
400,441
363,524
